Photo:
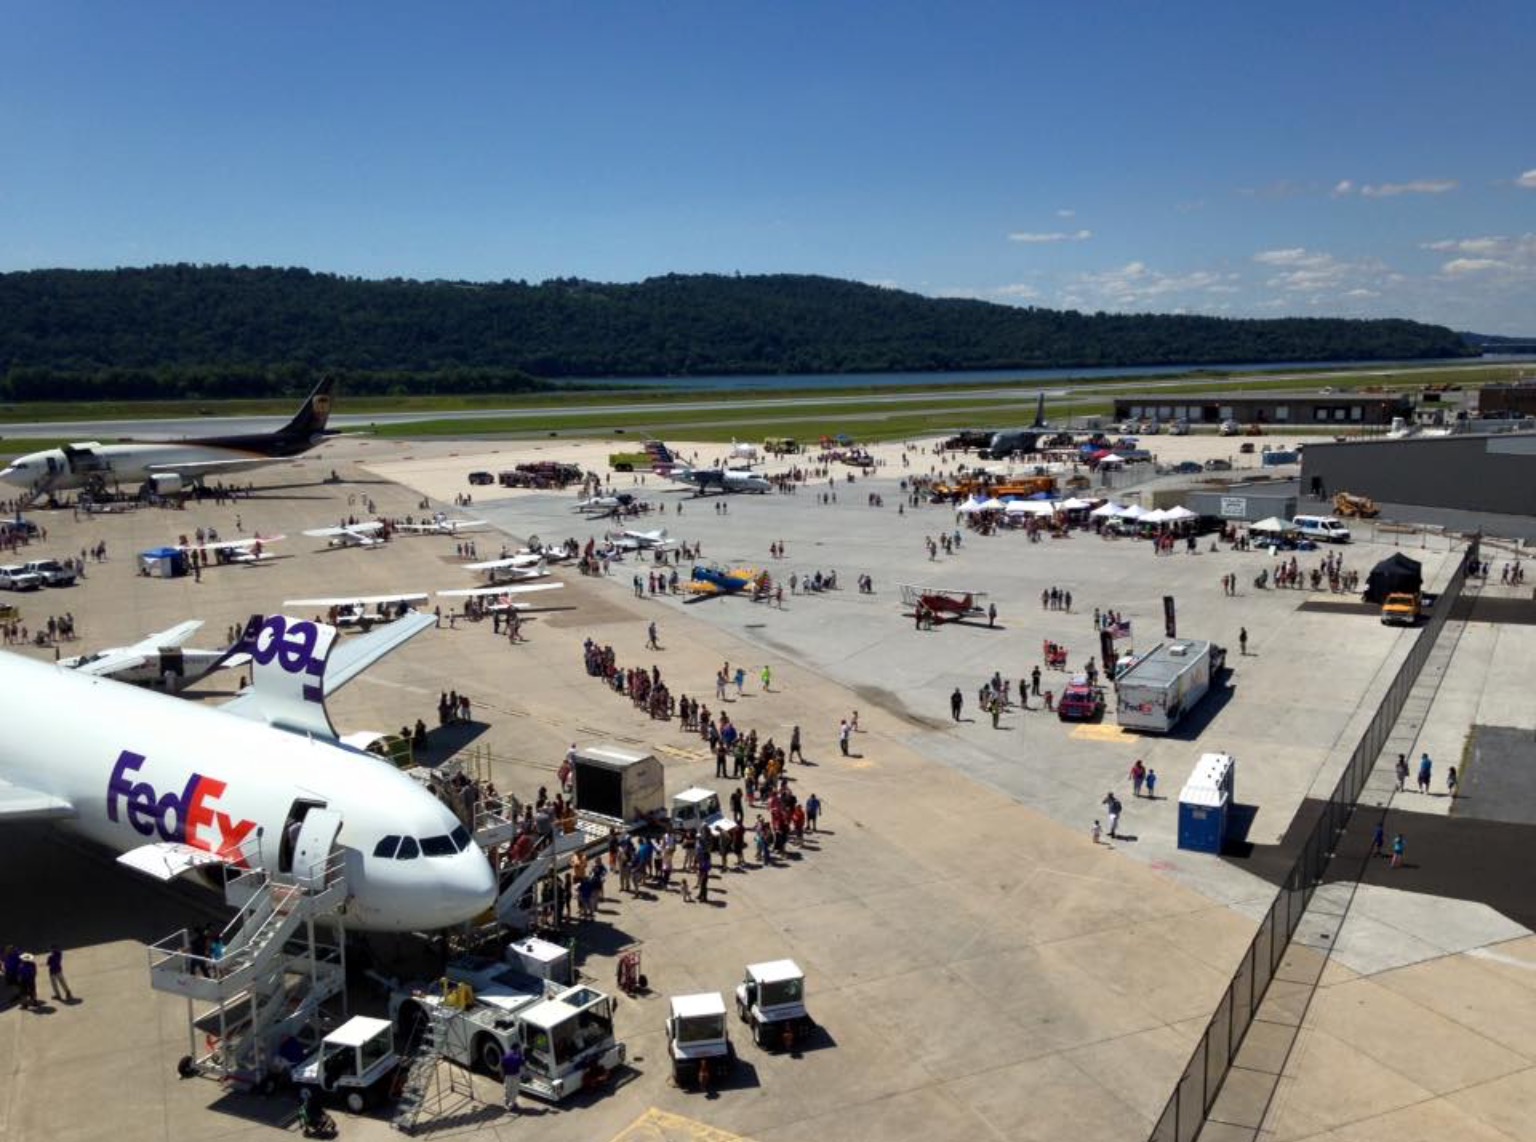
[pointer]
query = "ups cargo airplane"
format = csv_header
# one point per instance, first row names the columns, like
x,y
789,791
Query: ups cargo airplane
x,y
171,464
175,787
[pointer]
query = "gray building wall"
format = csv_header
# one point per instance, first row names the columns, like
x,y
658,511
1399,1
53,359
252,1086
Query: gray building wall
x,y
1463,473
1242,504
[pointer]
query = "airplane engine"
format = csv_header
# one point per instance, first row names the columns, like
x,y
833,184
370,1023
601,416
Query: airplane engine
x,y
166,483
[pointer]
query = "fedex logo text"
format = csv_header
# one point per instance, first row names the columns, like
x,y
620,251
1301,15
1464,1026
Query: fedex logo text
x,y
188,817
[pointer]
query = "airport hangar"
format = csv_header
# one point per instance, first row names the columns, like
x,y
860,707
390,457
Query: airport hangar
x,y
1345,410
1490,476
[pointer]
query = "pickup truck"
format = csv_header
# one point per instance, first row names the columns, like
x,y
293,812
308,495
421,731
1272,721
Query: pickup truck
x,y
52,572
1080,701
15,577
1402,608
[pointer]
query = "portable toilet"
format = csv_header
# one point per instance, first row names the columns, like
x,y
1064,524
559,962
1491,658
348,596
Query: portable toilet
x,y
1206,802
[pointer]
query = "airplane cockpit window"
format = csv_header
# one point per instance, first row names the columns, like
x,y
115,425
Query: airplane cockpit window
x,y
441,846
461,838
387,848
408,849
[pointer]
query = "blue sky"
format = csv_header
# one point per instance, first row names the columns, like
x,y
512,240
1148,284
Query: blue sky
x,y
1366,159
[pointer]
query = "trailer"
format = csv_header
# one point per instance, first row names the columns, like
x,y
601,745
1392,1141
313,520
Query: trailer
x,y
1161,686
617,786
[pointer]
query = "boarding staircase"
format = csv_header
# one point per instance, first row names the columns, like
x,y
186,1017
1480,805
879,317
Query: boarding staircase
x,y
283,960
422,1079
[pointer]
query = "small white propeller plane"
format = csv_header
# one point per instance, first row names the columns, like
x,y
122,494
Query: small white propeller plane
x,y
501,596
161,659
599,506
524,565
656,540
441,525
364,612
365,534
246,550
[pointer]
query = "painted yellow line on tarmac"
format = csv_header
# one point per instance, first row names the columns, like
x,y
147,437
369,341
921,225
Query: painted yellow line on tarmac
x,y
1089,732
660,1126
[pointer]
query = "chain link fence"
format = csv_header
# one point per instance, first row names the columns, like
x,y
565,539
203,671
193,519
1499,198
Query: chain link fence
x,y
1201,1081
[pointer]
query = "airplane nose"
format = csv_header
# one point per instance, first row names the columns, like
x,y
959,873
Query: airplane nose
x,y
469,886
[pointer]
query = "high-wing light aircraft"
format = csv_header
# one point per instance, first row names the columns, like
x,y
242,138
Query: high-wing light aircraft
x,y
247,550
365,534
364,612
600,506
170,465
656,540
160,659
442,525
501,596
175,786
514,568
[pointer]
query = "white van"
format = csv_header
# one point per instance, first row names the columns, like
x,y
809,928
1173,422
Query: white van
x,y
1321,528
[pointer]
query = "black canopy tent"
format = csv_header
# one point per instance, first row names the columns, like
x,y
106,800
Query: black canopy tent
x,y
1396,573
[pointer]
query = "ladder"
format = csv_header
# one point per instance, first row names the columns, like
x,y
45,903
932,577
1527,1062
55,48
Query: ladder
x,y
423,1081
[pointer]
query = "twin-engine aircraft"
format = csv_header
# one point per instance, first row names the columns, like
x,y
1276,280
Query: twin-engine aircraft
x,y
169,466
704,480
175,787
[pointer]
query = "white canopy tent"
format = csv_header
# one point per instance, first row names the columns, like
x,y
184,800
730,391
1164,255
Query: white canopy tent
x,y
1274,525
1031,507
1106,510
1075,505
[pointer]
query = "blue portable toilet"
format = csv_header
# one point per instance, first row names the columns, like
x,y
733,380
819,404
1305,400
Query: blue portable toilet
x,y
163,562
1205,803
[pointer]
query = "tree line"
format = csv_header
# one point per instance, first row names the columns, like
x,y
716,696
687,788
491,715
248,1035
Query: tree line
x,y
214,332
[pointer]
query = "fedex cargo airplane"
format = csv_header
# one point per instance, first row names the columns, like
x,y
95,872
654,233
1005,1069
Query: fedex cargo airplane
x,y
171,464
178,788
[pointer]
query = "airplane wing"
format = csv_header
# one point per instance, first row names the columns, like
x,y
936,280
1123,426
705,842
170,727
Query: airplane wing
x,y
359,533
360,600
18,803
195,467
236,544
482,592
120,658
513,562
353,657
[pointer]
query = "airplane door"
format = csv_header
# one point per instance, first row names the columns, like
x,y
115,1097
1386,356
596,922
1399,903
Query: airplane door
x,y
312,849
292,827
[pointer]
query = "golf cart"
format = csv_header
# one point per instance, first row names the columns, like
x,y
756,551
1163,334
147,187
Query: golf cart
x,y
771,1000
353,1064
701,1050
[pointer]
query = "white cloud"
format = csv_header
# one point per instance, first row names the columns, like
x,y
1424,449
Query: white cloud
x,y
1073,213
1056,236
1293,256
1362,293
1418,186
1458,266
1018,291
1468,245
1527,180
1136,285
1342,188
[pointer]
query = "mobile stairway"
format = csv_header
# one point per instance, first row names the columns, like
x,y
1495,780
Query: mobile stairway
x,y
284,958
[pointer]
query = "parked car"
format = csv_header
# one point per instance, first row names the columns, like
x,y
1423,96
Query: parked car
x,y
52,572
479,478
1218,465
1189,468
15,577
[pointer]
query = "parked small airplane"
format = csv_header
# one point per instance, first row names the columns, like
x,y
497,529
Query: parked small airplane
x,y
175,787
501,596
168,465
704,480
599,506
944,602
247,550
711,579
365,534
364,612
159,659
642,540
442,525
525,565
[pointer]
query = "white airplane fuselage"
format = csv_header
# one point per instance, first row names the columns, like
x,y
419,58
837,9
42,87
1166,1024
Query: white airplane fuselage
x,y
141,768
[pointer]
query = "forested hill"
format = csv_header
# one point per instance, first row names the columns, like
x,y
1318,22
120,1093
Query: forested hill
x,y
215,331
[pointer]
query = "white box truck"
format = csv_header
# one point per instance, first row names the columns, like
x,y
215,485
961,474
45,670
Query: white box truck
x,y
1161,686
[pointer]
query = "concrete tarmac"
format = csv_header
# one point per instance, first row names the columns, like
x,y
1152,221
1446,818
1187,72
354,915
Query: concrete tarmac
x,y
981,969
